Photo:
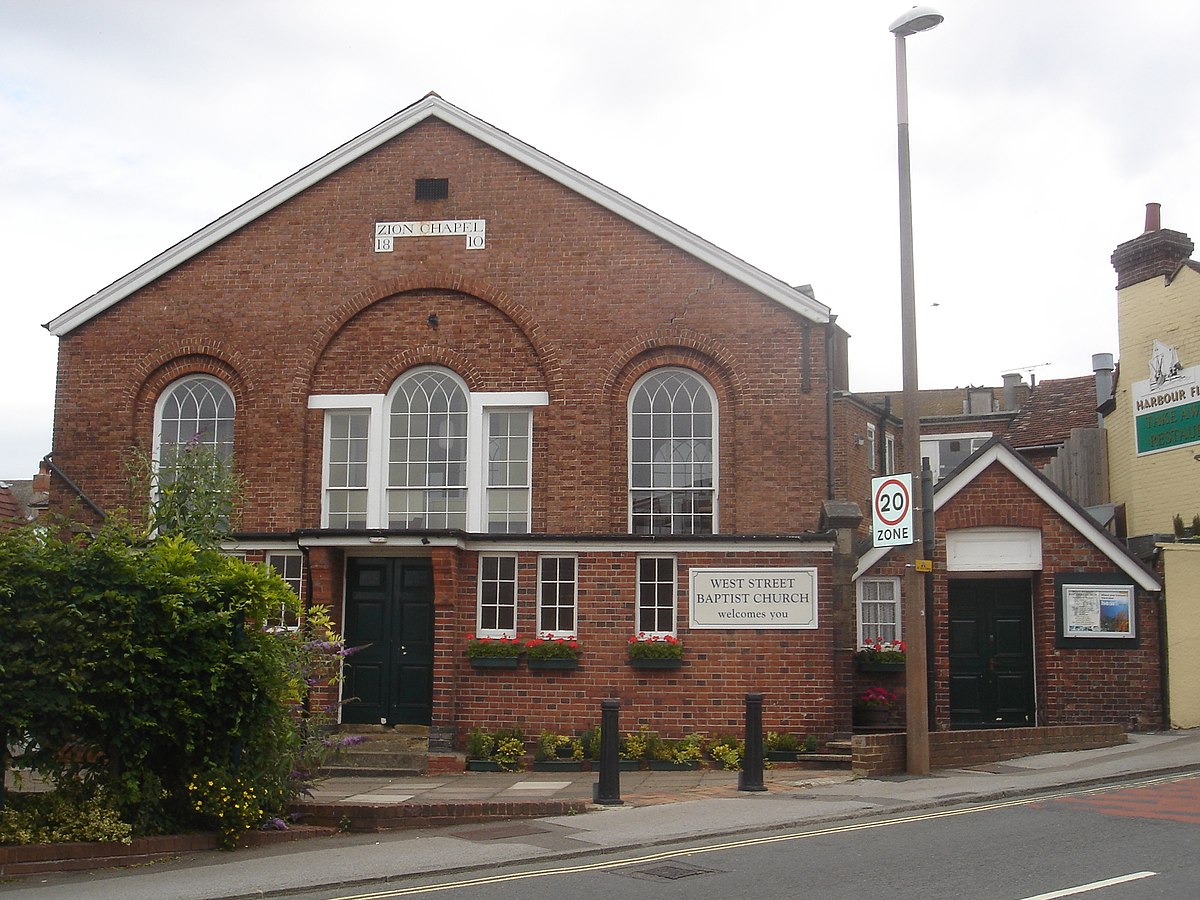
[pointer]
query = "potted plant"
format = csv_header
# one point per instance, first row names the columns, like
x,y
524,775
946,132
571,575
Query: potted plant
x,y
651,651
782,746
558,752
881,656
494,653
727,752
550,652
682,754
501,750
873,707
635,747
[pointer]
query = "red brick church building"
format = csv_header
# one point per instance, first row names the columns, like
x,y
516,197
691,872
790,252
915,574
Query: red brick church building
x,y
472,392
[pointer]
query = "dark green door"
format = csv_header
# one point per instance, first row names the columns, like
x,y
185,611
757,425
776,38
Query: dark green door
x,y
389,608
991,653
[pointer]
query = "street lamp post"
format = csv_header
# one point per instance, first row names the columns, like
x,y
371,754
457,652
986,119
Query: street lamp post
x,y
917,19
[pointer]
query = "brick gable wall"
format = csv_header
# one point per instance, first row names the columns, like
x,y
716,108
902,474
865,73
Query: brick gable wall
x,y
567,298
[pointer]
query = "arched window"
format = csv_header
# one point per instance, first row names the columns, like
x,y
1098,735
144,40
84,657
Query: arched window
x,y
427,451
672,454
194,411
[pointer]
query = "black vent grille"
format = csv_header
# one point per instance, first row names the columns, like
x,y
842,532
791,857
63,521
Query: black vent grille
x,y
433,188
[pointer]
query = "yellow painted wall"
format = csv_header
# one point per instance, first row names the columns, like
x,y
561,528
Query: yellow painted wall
x,y
1181,572
1155,487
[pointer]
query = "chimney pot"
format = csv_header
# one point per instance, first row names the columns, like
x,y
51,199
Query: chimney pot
x,y
1012,381
1153,217
1102,368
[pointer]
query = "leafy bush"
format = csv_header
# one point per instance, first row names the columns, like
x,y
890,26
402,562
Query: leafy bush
x,y
132,663
685,751
505,746
727,751
61,816
557,746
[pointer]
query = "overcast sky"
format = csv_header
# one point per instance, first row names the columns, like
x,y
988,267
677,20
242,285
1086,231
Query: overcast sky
x,y
1040,129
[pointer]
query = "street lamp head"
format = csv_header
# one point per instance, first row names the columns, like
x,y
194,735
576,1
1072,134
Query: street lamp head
x,y
919,18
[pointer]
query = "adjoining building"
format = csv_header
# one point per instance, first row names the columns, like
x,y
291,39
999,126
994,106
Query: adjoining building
x,y
1153,429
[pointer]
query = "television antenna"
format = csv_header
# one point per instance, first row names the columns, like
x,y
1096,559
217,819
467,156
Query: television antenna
x,y
1028,369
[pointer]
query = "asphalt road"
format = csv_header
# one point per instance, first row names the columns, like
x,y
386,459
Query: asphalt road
x,y
1120,841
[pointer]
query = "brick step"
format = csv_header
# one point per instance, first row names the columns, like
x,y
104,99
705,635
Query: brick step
x,y
822,761
366,757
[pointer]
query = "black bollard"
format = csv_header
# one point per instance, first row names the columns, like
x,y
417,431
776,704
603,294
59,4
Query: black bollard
x,y
751,776
607,790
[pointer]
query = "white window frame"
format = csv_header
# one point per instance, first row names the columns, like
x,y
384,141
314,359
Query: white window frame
x,y
889,454
931,447
298,585
637,612
488,488
872,462
559,632
478,404
896,601
480,631
715,439
161,402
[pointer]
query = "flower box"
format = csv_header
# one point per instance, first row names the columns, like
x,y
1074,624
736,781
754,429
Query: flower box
x,y
665,765
655,662
629,765
867,665
552,663
558,765
872,716
783,755
484,765
494,662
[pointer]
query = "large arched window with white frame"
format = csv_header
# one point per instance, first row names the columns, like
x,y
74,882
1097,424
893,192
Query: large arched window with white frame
x,y
672,454
427,451
429,455
196,411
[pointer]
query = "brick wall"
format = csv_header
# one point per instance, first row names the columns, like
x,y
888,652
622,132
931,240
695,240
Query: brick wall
x,y
793,669
567,298
886,754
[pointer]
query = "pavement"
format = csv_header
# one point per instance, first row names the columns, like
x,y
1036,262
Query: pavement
x,y
658,808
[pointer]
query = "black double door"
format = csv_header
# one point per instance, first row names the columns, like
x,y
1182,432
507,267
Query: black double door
x,y
389,612
991,653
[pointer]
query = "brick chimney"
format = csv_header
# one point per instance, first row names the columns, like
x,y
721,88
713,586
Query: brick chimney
x,y
1156,252
41,481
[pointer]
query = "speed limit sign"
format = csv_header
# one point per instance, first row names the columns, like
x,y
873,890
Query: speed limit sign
x,y
891,510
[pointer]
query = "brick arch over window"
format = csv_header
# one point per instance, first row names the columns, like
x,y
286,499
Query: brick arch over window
x,y
161,370
547,354
675,349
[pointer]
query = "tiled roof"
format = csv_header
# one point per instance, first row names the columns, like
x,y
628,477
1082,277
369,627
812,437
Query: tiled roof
x,y
1055,407
10,509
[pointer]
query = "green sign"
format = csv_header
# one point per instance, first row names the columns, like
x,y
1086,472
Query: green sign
x,y
1171,426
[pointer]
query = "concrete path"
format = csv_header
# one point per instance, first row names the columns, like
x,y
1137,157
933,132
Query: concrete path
x,y
660,807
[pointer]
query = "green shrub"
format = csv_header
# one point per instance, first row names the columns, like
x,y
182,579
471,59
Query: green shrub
x,y
727,751
61,816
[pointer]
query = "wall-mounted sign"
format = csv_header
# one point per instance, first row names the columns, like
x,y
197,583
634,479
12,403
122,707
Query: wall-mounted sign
x,y
1095,610
1166,406
891,510
474,230
753,598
